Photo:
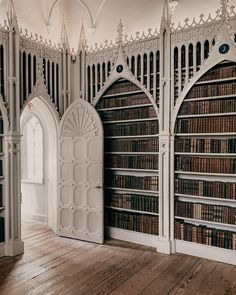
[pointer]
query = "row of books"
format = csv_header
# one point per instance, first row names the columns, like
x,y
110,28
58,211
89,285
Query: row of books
x,y
127,129
205,164
132,201
132,145
205,145
149,183
149,162
218,89
208,106
212,189
135,99
2,230
122,87
218,124
129,114
208,212
220,72
135,222
205,235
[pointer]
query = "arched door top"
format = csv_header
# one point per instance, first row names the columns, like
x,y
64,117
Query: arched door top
x,y
80,195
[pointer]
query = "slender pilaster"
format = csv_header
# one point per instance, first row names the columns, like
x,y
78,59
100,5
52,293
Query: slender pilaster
x,y
164,241
13,244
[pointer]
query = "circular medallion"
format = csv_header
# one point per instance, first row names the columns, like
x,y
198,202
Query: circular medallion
x,y
224,48
119,68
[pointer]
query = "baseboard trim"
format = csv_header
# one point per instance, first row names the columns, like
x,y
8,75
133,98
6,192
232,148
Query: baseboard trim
x,y
14,248
34,216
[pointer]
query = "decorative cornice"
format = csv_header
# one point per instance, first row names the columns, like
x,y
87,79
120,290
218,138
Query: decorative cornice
x,y
133,48
42,49
40,90
125,73
195,34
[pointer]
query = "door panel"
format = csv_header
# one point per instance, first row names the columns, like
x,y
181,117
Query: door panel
x,y
80,201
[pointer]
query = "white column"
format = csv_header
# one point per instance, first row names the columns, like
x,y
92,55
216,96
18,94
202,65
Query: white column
x,y
32,72
155,75
186,64
96,79
22,77
194,58
148,72
136,67
91,84
142,71
179,71
26,76
13,244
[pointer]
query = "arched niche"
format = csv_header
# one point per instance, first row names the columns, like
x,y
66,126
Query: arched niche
x,y
40,197
204,161
130,122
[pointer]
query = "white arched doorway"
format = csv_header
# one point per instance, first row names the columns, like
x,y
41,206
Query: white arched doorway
x,y
39,126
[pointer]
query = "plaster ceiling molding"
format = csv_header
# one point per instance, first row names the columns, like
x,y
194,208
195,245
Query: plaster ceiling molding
x,y
92,10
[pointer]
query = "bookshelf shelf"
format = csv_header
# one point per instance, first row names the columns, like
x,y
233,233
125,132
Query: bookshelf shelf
x,y
130,169
123,94
132,136
131,236
216,81
129,121
223,226
133,191
207,154
205,174
210,97
125,107
203,135
206,251
131,210
208,200
206,115
132,153
131,140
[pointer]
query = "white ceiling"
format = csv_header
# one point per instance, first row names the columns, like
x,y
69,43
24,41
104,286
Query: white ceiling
x,y
100,17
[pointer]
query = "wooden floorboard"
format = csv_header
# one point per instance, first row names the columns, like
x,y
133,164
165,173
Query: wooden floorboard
x,y
55,265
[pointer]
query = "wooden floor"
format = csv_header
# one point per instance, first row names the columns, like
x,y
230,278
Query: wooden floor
x,y
54,265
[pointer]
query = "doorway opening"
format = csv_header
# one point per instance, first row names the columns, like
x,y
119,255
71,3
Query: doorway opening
x,y
39,163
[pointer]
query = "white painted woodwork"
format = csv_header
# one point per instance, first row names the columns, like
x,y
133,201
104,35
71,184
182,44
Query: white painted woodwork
x,y
80,192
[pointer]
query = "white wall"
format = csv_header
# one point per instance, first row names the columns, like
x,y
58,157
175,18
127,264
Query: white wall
x,y
39,201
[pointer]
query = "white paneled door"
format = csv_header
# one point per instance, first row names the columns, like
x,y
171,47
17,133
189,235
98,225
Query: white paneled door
x,y
80,195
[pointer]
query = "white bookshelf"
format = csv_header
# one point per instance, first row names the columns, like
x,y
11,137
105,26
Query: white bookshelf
x,y
122,150
206,251
194,248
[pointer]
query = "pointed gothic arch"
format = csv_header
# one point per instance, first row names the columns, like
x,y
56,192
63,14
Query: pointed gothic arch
x,y
214,59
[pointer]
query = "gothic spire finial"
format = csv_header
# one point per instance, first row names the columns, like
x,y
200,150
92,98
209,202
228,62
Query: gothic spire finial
x,y
64,35
225,30
11,16
82,39
120,34
224,10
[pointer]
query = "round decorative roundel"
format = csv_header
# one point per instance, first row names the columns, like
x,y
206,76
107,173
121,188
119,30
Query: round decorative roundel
x,y
224,48
119,68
